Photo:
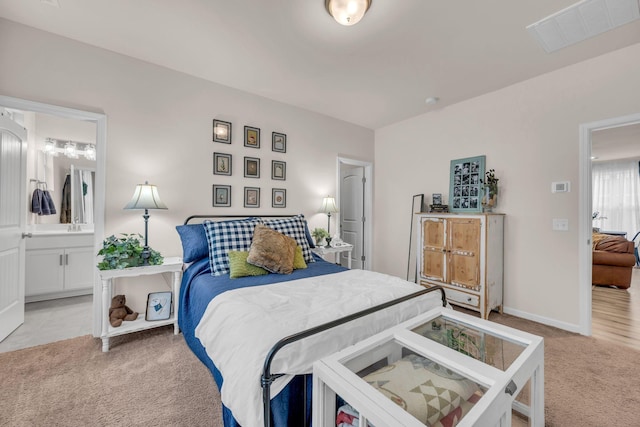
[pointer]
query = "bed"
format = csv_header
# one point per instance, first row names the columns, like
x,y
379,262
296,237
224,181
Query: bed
x,y
286,320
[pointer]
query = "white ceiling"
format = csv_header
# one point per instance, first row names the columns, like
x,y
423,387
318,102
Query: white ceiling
x,y
372,74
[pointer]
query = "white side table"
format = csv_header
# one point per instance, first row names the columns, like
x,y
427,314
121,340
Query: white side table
x,y
170,265
336,251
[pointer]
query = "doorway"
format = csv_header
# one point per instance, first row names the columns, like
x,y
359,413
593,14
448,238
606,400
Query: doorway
x,y
355,192
585,212
99,185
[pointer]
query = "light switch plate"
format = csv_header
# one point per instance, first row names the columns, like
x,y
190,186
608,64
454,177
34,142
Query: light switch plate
x,y
560,224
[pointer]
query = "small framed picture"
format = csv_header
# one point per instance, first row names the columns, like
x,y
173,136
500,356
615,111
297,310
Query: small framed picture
x,y
221,196
222,164
251,137
437,199
278,170
251,197
279,142
158,306
279,198
221,131
251,167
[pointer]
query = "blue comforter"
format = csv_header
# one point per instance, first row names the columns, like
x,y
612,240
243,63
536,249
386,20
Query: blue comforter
x,y
199,287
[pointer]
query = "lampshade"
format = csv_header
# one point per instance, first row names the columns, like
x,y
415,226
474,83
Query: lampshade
x,y
145,196
347,12
328,205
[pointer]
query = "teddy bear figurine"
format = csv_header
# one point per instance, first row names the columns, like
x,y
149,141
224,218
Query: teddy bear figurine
x,y
119,311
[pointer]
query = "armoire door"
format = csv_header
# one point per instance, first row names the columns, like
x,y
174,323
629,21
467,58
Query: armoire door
x,y
464,252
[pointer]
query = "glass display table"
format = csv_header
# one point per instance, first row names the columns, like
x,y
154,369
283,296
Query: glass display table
x,y
442,368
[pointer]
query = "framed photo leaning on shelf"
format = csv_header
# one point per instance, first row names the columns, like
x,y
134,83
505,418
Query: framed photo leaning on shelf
x,y
159,305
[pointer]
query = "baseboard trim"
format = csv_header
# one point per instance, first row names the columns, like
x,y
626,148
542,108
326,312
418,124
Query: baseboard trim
x,y
544,320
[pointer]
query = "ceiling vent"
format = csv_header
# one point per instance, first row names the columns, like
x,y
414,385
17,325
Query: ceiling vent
x,y
581,21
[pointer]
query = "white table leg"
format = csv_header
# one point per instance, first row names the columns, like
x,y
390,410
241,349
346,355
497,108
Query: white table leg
x,y
537,397
349,259
106,297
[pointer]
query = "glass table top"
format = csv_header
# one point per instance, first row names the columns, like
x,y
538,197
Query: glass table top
x,y
491,349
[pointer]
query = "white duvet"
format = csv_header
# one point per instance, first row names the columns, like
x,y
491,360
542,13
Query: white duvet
x,y
240,326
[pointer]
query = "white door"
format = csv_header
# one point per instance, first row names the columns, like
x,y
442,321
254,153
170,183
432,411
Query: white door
x,y
352,214
12,220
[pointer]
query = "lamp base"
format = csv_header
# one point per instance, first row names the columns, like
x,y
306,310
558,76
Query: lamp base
x,y
146,254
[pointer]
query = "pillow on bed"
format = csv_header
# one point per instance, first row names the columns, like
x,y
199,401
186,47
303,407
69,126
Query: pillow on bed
x,y
293,227
298,259
225,236
239,267
307,234
194,242
272,251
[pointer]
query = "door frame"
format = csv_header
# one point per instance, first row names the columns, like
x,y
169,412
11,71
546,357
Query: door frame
x,y
368,204
100,121
585,222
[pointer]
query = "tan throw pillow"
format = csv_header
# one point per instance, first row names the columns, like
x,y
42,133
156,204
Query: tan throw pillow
x,y
271,250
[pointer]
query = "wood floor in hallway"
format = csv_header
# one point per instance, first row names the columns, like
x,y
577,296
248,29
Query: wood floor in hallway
x,y
616,313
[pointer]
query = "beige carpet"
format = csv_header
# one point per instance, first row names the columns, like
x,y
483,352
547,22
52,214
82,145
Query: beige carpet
x,y
149,378
152,378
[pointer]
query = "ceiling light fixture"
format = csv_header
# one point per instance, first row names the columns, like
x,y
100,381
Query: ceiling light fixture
x,y
347,12
432,100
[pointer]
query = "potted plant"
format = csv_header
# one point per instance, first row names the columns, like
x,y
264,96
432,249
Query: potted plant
x,y
489,190
124,252
319,234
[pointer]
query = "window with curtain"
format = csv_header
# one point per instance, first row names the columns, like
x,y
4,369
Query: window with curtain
x,y
616,195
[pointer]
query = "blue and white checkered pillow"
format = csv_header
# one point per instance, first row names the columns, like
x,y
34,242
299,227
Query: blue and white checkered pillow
x,y
294,227
225,236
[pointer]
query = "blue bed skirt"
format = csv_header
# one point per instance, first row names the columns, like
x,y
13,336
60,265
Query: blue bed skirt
x,y
199,287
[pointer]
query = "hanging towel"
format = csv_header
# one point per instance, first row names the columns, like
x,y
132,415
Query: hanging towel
x,y
42,203
36,201
48,207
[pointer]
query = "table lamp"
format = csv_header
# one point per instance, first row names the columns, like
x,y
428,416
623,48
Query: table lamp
x,y
329,207
145,197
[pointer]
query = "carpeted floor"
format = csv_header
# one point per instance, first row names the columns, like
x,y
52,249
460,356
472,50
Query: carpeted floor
x,y
147,378
152,378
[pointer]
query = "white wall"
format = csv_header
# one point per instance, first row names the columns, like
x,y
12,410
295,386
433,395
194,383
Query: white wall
x,y
529,133
159,128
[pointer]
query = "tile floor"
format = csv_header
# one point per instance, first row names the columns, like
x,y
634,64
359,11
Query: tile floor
x,y
49,321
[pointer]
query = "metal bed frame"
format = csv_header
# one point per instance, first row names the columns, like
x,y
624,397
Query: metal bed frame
x,y
267,377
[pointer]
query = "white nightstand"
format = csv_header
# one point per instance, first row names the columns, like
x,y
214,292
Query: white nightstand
x,y
336,251
170,265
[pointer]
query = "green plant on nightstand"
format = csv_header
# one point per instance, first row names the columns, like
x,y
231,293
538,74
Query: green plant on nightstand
x,y
318,234
124,252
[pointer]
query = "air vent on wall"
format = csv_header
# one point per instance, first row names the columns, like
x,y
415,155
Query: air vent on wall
x,y
581,21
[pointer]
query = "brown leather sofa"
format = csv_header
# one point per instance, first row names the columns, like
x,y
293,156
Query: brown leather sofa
x,y
613,261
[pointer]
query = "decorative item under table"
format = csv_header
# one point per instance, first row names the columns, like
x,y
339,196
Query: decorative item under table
x,y
440,368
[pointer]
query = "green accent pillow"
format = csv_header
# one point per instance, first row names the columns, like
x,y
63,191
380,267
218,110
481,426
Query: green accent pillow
x,y
298,259
240,267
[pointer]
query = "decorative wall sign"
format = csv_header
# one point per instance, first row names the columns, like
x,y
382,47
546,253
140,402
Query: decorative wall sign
x,y
221,131
278,170
279,142
251,197
251,167
251,137
221,196
279,198
222,164
464,186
